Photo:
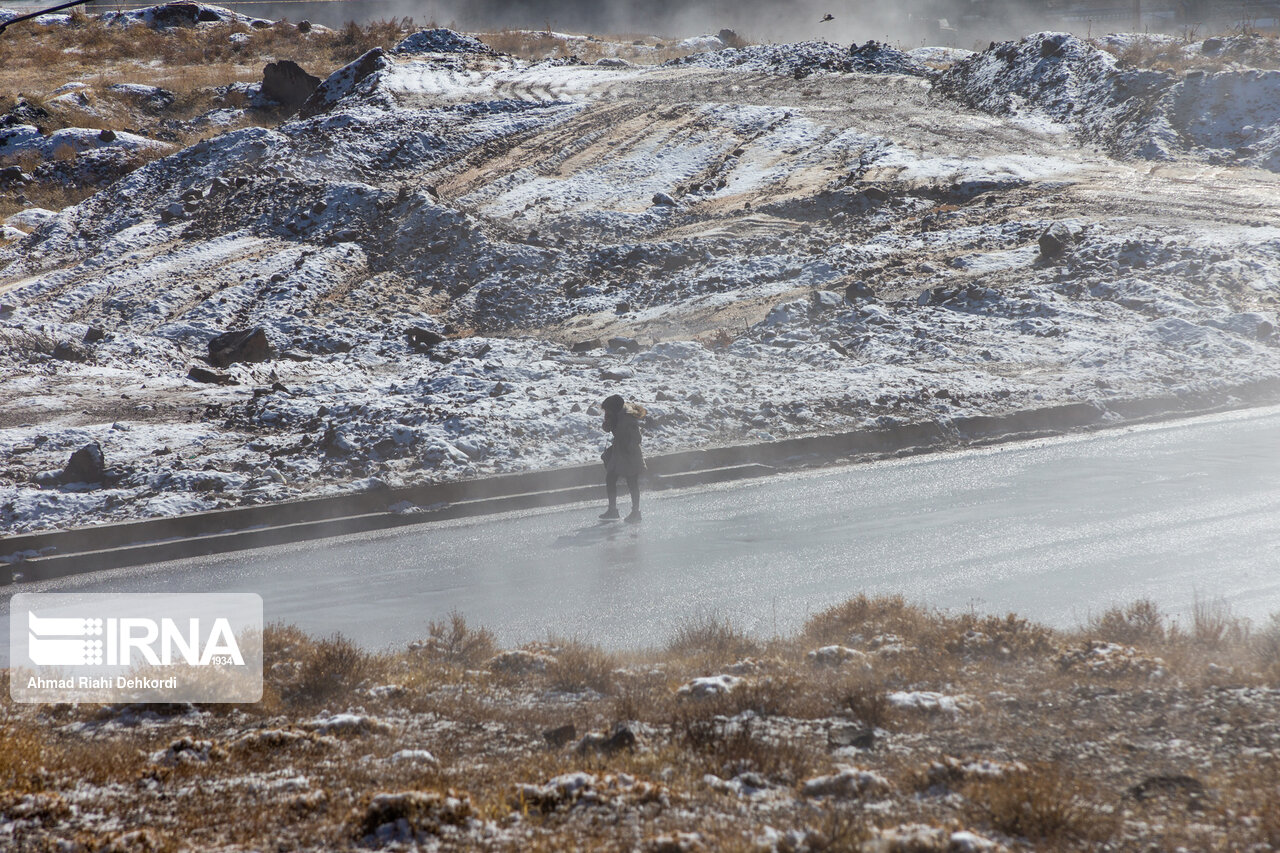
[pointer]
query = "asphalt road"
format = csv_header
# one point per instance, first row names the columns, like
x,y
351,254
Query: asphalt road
x,y
1054,530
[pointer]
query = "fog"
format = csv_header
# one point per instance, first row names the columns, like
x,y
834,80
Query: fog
x,y
964,23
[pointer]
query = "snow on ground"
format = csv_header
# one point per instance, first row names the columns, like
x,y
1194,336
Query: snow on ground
x,y
807,57
1228,116
750,254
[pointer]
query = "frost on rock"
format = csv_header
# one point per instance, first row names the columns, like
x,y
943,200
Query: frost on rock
x,y
808,57
520,662
584,790
1110,660
920,838
848,782
1223,116
932,702
345,81
346,724
711,685
835,656
441,40
414,816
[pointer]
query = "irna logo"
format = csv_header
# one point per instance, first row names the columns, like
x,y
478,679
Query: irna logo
x,y
127,641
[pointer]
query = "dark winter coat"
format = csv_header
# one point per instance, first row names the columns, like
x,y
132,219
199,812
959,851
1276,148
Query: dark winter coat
x,y
624,456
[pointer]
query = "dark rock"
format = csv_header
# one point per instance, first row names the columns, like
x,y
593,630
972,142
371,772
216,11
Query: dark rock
x,y
304,26
1154,786
242,345
94,334
279,386
211,377
286,82
86,465
1212,46
621,738
441,40
560,735
333,443
107,135
586,346
1053,45
664,200
859,290
24,112
1265,330
624,345
1056,240
14,175
67,351
182,14
422,340
822,301
854,736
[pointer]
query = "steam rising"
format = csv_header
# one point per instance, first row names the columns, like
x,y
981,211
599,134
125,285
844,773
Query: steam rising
x,y
964,24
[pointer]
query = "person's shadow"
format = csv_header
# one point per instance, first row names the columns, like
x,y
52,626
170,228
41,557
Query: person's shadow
x,y
604,531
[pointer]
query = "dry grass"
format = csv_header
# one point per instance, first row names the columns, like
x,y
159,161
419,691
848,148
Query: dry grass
x,y
1253,51
710,635
192,64
1045,804
1139,623
1058,753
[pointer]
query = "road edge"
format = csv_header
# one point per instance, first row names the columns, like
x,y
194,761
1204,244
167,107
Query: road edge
x,y
44,555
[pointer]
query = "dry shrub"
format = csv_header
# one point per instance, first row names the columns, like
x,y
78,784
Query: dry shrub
x,y
1213,626
453,642
1266,647
309,671
869,704
711,636
870,616
718,339
1000,637
33,759
417,811
27,160
580,666
21,757
730,747
64,153
1138,624
1044,804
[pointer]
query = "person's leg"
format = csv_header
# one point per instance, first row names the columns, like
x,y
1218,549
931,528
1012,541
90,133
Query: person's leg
x,y
633,484
611,488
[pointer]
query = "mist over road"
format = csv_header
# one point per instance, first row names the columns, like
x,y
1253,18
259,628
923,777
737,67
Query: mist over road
x,y
1053,530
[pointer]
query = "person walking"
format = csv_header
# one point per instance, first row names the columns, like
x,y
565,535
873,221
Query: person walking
x,y
623,457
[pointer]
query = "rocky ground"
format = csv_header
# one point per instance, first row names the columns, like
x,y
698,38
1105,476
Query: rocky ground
x,y
440,263
880,727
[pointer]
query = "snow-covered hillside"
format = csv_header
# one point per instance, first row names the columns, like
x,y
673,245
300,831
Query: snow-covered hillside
x,y
454,255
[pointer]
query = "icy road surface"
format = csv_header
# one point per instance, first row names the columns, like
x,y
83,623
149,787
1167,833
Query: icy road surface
x,y
1053,530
